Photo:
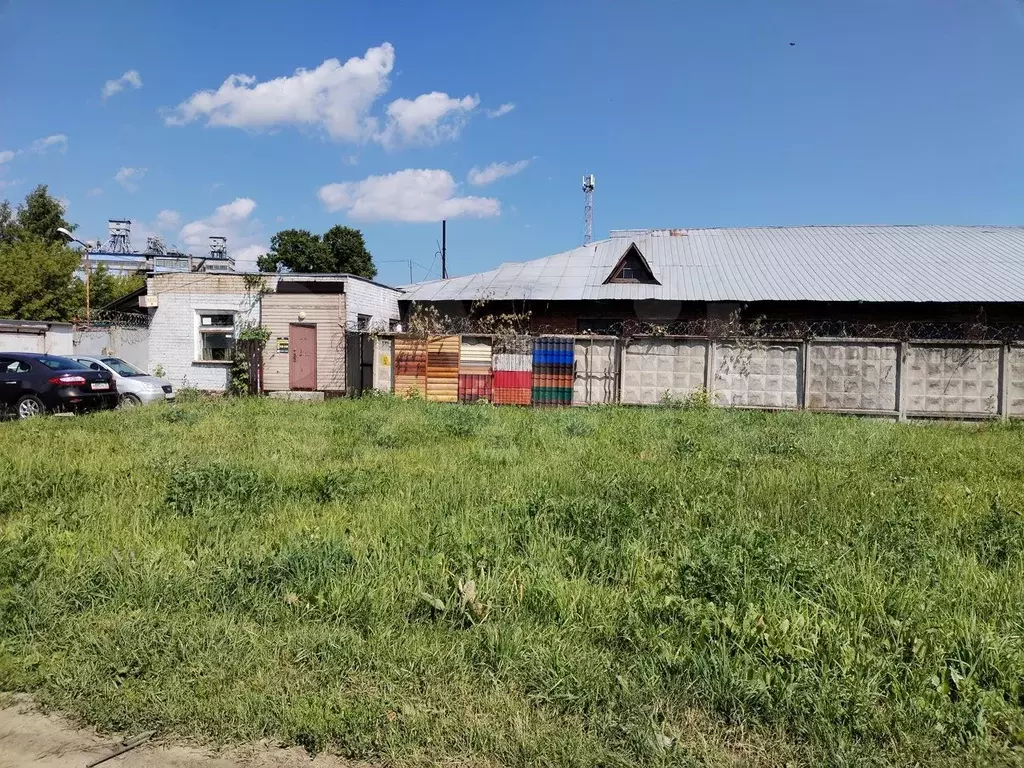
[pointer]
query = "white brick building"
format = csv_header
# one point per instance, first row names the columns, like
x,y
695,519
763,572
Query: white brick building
x,y
195,317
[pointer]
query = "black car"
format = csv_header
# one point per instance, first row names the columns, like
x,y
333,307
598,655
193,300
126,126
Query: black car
x,y
31,385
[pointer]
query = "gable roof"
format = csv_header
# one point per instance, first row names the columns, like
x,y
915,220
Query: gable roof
x,y
635,260
817,263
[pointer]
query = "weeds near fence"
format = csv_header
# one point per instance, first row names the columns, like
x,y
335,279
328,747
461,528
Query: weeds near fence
x,y
418,583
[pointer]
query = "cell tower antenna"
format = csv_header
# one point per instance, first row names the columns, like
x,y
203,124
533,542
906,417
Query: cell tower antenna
x,y
588,208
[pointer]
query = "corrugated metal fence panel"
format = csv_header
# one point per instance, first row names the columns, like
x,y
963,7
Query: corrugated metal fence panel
x,y
475,355
1015,374
552,370
653,368
474,369
410,367
383,359
758,373
512,365
443,369
852,375
958,379
594,381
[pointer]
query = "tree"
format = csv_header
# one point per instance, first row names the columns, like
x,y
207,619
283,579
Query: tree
x,y
8,224
341,249
41,214
37,280
295,250
347,252
105,288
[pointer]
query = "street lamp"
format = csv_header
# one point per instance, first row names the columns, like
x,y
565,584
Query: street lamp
x,y
69,236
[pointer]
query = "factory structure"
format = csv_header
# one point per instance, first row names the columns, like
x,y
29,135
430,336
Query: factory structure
x,y
120,258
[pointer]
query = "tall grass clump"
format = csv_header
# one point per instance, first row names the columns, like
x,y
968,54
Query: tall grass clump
x,y
414,583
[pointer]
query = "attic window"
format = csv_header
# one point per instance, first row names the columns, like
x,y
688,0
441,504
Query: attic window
x,y
632,268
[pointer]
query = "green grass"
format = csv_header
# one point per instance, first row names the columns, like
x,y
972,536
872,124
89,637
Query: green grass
x,y
658,587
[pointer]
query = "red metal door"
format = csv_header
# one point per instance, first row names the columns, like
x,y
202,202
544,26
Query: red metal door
x,y
302,363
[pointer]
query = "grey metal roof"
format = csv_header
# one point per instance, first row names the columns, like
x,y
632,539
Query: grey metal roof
x,y
815,263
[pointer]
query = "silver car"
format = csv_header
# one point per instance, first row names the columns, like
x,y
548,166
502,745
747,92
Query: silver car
x,y
134,386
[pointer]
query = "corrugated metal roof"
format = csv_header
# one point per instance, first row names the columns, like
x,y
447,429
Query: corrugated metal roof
x,y
816,263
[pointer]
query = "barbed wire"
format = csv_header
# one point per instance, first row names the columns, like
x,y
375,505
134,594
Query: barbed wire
x,y
512,326
101,319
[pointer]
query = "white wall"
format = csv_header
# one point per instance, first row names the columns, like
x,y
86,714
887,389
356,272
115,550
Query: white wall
x,y
129,344
46,338
363,298
174,331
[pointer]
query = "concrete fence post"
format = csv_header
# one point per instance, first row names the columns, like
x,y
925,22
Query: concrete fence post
x,y
804,385
620,350
1004,381
901,381
709,364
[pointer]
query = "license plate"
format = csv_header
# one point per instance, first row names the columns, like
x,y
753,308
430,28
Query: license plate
x,y
101,385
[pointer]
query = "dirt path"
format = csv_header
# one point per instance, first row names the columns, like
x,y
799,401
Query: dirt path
x,y
30,739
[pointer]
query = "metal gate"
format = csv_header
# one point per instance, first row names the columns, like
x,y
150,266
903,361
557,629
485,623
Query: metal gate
x,y
359,363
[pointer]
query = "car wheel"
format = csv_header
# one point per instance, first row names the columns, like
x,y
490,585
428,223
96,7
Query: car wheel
x,y
130,401
30,406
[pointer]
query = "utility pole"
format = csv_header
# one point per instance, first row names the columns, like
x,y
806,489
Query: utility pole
x,y
444,249
588,208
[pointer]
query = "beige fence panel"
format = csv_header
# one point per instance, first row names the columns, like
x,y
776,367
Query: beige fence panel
x,y
960,379
654,368
383,362
595,379
758,373
852,375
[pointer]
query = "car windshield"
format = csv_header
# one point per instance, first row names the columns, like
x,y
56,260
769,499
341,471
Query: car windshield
x,y
121,367
62,364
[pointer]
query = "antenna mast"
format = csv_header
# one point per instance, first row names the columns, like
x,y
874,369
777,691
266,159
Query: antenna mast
x,y
588,208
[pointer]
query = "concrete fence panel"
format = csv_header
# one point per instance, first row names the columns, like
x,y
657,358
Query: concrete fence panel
x,y
859,376
653,368
758,374
595,380
960,379
1015,381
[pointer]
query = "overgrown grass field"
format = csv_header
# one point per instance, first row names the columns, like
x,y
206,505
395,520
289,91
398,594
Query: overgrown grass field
x,y
410,582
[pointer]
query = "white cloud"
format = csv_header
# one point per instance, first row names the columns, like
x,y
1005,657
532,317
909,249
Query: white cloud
x,y
95,192
234,221
246,256
131,77
334,96
504,109
64,202
129,177
350,160
409,195
480,176
6,184
427,119
40,146
168,219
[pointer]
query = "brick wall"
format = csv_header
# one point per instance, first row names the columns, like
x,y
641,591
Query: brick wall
x,y
364,298
174,331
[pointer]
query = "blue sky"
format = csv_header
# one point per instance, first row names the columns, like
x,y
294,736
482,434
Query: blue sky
x,y
691,114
